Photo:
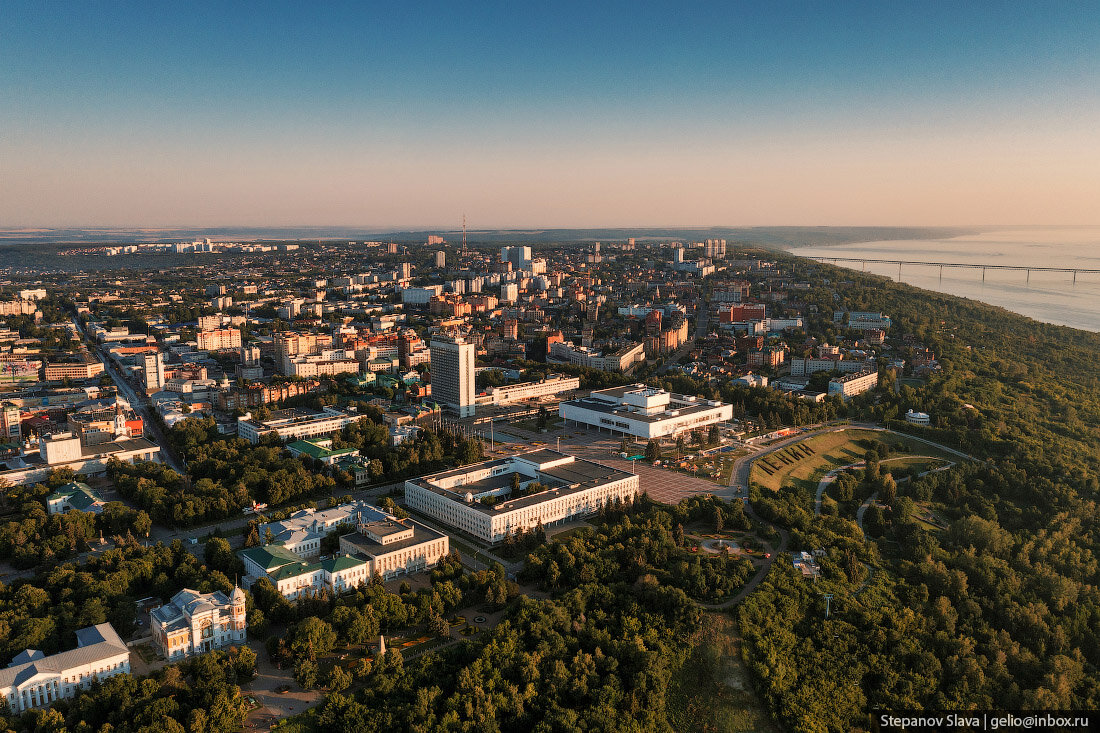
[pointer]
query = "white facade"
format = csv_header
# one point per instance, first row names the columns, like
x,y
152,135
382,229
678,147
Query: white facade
x,y
35,680
295,424
196,623
574,488
805,367
853,384
644,412
510,393
453,375
918,418
154,372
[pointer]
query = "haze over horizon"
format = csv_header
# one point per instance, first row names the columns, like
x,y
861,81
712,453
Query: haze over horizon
x,y
566,116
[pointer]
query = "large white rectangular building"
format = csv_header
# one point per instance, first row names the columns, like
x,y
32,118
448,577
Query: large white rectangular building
x,y
34,680
554,487
295,424
453,374
643,412
554,384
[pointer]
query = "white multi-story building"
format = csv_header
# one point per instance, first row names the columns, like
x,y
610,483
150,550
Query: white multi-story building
x,y
34,680
154,372
918,418
643,412
852,384
806,367
453,374
553,488
196,623
520,257
317,365
866,321
296,424
554,384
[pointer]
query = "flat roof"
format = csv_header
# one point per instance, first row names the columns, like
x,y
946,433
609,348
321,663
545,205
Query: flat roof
x,y
607,408
372,549
564,479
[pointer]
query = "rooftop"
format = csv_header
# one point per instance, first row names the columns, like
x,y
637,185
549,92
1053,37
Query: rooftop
x,y
562,477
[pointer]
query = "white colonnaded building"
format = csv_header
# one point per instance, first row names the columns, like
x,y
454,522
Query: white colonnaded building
x,y
33,679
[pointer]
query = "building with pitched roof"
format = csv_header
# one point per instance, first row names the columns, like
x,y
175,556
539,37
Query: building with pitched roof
x,y
33,679
74,495
195,623
381,544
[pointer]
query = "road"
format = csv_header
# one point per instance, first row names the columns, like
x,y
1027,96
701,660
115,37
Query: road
x,y
140,403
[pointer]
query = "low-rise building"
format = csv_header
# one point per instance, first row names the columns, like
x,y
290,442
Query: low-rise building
x,y
33,679
195,623
381,544
918,418
480,499
643,412
553,385
74,496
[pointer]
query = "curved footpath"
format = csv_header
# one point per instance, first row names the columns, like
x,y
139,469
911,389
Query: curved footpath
x,y
739,491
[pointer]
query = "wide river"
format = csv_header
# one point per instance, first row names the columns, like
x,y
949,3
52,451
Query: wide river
x,y
1045,296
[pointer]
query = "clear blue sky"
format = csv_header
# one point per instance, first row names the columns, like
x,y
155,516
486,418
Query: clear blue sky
x,y
549,114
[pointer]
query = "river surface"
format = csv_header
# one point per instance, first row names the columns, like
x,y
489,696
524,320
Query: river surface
x,y
1045,296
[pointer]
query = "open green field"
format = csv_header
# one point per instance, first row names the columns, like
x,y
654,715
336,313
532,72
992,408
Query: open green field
x,y
808,460
711,691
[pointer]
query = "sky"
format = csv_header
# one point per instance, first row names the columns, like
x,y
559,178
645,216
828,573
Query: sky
x,y
409,115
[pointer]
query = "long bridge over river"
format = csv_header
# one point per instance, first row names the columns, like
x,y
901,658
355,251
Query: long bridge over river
x,y
967,265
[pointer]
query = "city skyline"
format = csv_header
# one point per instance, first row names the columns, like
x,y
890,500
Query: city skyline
x,y
733,115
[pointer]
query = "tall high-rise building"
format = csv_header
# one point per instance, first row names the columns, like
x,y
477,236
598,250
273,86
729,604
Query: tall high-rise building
x,y
453,374
520,257
441,259
154,372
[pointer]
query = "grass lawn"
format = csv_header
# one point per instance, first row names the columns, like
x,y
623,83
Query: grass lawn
x,y
711,690
791,465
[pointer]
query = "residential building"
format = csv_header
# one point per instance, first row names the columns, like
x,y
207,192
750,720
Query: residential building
x,y
806,367
219,339
154,372
195,623
295,423
34,680
643,412
852,384
520,257
453,374
553,488
380,544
